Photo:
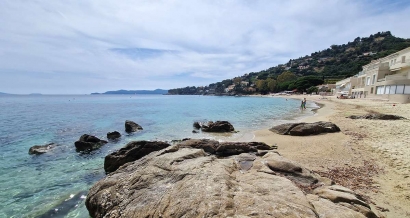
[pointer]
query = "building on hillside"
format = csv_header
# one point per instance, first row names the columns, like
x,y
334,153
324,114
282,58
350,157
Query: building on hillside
x,y
358,90
344,87
326,87
385,78
229,88
369,53
249,89
244,83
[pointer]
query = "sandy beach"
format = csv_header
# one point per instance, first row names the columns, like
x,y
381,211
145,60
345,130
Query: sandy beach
x,y
371,157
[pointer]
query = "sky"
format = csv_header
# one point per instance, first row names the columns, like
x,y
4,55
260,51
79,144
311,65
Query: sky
x,y
85,46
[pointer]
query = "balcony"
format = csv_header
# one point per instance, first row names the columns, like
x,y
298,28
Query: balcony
x,y
358,86
393,77
396,77
400,65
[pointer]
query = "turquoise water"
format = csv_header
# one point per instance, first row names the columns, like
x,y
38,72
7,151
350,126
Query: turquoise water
x,y
38,186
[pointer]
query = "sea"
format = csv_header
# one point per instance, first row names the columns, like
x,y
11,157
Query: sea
x,y
55,184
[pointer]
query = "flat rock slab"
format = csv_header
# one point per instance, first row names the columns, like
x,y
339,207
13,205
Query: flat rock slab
x,y
41,149
185,181
305,129
132,151
377,116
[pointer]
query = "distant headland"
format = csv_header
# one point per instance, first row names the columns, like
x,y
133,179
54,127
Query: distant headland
x,y
132,92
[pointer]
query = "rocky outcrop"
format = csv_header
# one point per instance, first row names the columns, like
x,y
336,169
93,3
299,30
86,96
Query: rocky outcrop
x,y
113,135
41,149
131,152
196,125
131,126
190,179
218,126
305,129
377,116
89,143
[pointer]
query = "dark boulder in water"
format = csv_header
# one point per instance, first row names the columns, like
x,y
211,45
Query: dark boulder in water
x,y
41,149
218,126
89,143
113,135
197,125
131,126
131,152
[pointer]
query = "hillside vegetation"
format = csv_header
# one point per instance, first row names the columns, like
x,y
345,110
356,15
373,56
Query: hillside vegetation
x,y
301,74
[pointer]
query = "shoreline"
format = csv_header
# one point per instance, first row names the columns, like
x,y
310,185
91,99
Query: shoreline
x,y
381,144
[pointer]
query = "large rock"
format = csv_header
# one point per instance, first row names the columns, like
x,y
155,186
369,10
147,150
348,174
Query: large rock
x,y
305,129
377,116
283,129
89,143
131,126
113,135
218,126
196,125
185,181
131,152
41,149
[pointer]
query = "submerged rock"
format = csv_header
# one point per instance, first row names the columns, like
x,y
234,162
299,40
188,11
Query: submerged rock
x,y
377,116
41,149
131,126
89,143
305,129
66,206
113,135
218,126
190,179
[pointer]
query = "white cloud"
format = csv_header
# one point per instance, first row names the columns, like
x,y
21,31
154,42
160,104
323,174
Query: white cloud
x,y
75,47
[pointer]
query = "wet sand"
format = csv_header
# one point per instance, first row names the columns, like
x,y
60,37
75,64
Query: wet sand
x,y
362,144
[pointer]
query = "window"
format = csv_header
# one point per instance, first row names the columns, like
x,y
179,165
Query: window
x,y
400,89
407,89
387,91
371,90
374,78
379,90
368,81
392,90
403,59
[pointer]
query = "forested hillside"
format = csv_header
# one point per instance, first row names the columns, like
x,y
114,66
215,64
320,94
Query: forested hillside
x,y
326,66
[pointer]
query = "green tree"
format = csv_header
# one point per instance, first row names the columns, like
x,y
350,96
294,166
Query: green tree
x,y
262,86
312,89
286,76
271,83
237,80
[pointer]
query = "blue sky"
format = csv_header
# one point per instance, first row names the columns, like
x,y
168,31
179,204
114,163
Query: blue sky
x,y
84,46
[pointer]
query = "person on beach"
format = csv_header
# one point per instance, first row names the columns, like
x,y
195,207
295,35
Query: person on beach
x,y
303,104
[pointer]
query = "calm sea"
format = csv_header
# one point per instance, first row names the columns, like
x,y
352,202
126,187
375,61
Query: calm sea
x,y
41,186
